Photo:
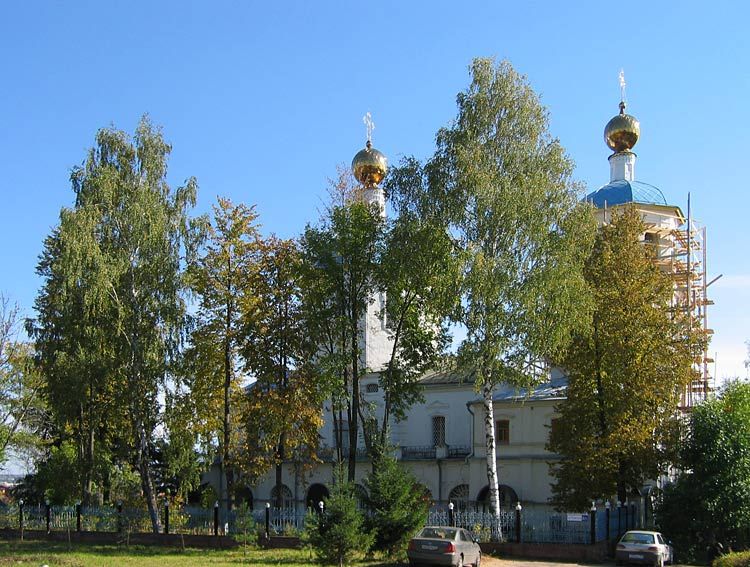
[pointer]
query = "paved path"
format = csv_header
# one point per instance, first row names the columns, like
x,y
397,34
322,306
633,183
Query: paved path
x,y
493,562
488,561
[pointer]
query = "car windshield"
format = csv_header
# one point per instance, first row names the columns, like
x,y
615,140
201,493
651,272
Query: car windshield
x,y
438,533
636,537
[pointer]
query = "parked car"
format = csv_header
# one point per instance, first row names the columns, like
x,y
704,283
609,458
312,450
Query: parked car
x,y
638,546
441,545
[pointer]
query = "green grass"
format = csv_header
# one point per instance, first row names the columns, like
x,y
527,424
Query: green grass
x,y
55,554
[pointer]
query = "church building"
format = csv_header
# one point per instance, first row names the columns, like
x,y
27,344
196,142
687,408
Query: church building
x,y
442,439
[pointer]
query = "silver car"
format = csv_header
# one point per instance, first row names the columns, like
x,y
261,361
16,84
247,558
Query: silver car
x,y
644,547
441,545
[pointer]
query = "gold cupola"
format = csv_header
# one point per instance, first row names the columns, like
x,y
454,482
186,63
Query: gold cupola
x,y
369,165
621,133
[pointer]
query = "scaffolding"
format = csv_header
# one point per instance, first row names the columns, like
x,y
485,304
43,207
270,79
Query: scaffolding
x,y
684,257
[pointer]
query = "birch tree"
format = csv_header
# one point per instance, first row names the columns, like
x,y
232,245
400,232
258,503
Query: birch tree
x,y
503,186
117,258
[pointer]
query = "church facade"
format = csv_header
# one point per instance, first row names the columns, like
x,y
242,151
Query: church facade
x,y
441,441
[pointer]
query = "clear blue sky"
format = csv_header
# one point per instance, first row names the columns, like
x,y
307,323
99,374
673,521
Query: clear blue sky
x,y
261,101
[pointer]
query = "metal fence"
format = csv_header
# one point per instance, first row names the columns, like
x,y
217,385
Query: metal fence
x,y
529,525
542,524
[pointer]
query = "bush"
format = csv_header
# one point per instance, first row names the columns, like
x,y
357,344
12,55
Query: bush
x,y
337,535
741,559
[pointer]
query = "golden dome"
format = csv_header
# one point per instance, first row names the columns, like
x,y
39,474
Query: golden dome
x,y
621,133
369,165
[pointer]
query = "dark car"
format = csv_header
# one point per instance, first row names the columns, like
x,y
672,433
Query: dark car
x,y
441,545
643,547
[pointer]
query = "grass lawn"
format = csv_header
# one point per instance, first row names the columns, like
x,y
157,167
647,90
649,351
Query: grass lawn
x,y
40,553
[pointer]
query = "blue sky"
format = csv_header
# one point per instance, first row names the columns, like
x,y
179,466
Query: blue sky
x,y
262,100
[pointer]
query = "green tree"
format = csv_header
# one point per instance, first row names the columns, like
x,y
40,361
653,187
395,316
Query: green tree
x,y
337,534
73,349
418,276
503,186
710,502
397,505
220,278
22,409
283,406
626,373
116,260
340,258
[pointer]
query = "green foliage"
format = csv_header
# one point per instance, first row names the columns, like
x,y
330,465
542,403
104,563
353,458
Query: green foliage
x,y
396,504
338,534
23,415
59,475
339,261
626,371
283,414
211,404
502,186
710,502
111,312
741,559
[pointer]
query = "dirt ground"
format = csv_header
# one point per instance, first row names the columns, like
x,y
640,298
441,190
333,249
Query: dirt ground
x,y
488,561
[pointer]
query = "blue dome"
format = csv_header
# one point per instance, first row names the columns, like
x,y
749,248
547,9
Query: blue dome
x,y
622,192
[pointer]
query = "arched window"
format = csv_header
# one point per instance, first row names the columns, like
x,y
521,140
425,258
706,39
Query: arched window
x,y
460,496
508,498
243,495
287,500
316,494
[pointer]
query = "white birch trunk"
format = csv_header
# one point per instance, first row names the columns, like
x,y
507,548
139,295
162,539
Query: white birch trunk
x,y
489,437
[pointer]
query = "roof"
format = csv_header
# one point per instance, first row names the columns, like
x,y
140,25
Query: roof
x,y
622,191
434,378
553,389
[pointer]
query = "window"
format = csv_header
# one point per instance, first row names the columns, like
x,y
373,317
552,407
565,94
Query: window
x,y
502,432
460,497
438,431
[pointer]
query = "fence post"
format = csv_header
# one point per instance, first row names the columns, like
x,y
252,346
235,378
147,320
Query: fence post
x,y
632,515
593,522
166,517
119,517
20,517
451,517
268,518
518,522
78,516
47,514
619,518
607,514
216,518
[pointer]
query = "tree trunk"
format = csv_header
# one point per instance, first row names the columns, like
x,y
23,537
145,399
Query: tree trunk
x,y
227,456
147,484
354,414
489,438
280,455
